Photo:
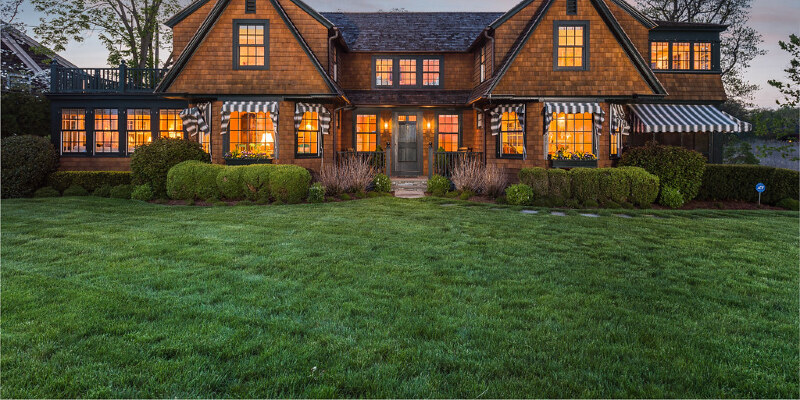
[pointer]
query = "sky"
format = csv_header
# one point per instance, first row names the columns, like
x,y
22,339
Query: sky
x,y
774,19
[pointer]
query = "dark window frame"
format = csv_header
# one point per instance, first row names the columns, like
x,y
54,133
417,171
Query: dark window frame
x,y
122,133
460,132
318,154
236,24
499,142
158,126
482,64
396,71
377,133
86,131
715,67
586,44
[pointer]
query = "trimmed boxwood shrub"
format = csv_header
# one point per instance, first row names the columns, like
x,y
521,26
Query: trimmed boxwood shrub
x,y
585,184
558,182
382,183
121,192
438,185
738,183
191,180
89,180
151,162
289,183
614,185
229,182
27,161
316,193
676,167
256,181
519,194
789,204
142,193
644,186
670,197
536,178
75,190
46,191
102,191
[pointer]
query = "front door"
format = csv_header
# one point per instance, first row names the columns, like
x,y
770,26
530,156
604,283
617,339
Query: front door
x,y
408,160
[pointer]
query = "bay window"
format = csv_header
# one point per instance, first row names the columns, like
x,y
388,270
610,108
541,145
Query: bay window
x,y
366,132
251,133
106,130
138,128
448,132
73,130
170,124
571,134
512,139
308,135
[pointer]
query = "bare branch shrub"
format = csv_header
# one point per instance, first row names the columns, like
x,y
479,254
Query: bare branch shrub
x,y
351,174
468,174
494,181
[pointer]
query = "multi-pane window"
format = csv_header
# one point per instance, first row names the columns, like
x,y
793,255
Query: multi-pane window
x,y
308,134
614,150
366,132
430,72
511,134
383,71
73,130
659,55
170,124
252,133
448,132
483,63
138,128
251,45
106,130
681,53
570,47
570,133
702,56
408,72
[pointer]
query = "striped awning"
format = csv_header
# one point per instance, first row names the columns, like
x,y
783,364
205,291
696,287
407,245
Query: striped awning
x,y
651,118
742,126
322,112
193,120
618,121
598,115
497,115
228,107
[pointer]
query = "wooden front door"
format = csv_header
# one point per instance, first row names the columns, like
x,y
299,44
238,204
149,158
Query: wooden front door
x,y
408,155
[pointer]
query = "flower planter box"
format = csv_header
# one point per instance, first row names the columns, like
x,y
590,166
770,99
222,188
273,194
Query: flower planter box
x,y
247,161
573,163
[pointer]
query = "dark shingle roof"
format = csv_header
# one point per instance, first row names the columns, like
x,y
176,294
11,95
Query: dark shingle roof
x,y
411,31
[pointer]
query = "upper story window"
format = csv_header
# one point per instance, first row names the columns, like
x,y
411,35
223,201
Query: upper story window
x,y
702,56
659,55
430,72
448,135
73,130
335,62
483,63
407,72
681,56
308,135
571,50
251,44
383,72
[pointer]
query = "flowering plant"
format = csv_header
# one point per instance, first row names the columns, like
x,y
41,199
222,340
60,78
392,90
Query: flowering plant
x,y
247,155
563,154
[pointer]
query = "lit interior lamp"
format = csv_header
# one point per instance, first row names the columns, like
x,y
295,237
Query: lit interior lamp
x,y
385,125
429,125
266,138
308,126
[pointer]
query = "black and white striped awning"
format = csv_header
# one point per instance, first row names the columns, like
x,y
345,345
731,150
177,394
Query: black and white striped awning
x,y
618,121
193,120
651,118
322,112
497,115
228,107
742,126
598,115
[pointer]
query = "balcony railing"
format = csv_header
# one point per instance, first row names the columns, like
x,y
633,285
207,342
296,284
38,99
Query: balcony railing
x,y
378,159
443,162
104,80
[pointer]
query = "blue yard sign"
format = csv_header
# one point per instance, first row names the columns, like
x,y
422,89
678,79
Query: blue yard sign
x,y
760,188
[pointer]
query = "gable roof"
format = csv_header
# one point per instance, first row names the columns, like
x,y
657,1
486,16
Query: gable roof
x,y
26,52
411,31
209,23
196,4
621,3
486,87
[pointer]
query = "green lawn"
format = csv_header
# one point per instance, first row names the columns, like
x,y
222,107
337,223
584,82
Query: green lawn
x,y
394,298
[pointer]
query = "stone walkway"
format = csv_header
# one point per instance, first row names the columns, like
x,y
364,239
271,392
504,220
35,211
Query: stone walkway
x,y
409,188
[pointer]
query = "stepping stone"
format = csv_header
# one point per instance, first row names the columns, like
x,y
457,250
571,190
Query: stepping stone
x,y
651,216
530,212
447,205
590,215
623,215
558,213
409,194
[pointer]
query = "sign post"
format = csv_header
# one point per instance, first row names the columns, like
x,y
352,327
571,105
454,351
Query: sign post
x,y
760,188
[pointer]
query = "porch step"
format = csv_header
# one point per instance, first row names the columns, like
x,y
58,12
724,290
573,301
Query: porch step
x,y
409,188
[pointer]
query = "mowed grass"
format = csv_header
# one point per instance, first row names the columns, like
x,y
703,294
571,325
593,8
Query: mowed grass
x,y
394,298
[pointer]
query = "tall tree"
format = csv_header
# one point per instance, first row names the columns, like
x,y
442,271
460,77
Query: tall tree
x,y
739,43
130,29
790,90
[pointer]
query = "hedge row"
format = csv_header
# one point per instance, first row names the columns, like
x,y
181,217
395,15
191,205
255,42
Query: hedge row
x,y
738,182
591,185
191,180
89,180
675,167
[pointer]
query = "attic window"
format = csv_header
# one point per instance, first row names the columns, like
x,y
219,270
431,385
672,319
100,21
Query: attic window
x,y
251,44
571,45
250,7
572,7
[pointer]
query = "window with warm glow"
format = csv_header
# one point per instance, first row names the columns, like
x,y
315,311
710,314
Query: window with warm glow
x,y
308,134
659,55
383,72
448,132
106,130
139,132
251,44
430,72
366,132
681,53
170,124
483,63
73,130
252,133
511,134
570,47
614,144
408,72
702,56
570,133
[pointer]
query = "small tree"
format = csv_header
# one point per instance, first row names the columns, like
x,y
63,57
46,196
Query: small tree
x,y
791,89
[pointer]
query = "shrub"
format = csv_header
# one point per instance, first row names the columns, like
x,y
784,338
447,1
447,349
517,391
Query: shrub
x,y
229,183
572,203
316,193
558,183
75,190
738,182
789,204
121,192
614,185
783,183
611,204
676,167
465,195
468,174
345,196
350,174
584,183
102,191
142,193
151,162
519,195
255,180
644,186
289,183
591,204
438,185
537,179
670,197
382,183
46,191
27,161
89,180
494,181
191,180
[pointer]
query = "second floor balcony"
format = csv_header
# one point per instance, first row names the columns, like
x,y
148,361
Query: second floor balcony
x,y
121,79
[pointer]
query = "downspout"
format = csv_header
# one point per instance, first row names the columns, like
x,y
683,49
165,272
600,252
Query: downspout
x,y
330,48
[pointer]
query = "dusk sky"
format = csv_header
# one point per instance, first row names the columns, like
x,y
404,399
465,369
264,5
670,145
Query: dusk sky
x,y
774,19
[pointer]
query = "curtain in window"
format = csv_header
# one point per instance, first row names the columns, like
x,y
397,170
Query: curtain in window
x,y
324,115
497,115
228,107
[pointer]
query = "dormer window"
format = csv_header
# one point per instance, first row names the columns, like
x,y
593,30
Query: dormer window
x,y
681,56
383,71
251,44
407,72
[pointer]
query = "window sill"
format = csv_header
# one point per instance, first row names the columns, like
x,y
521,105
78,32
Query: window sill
x,y
573,163
510,156
247,161
302,156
